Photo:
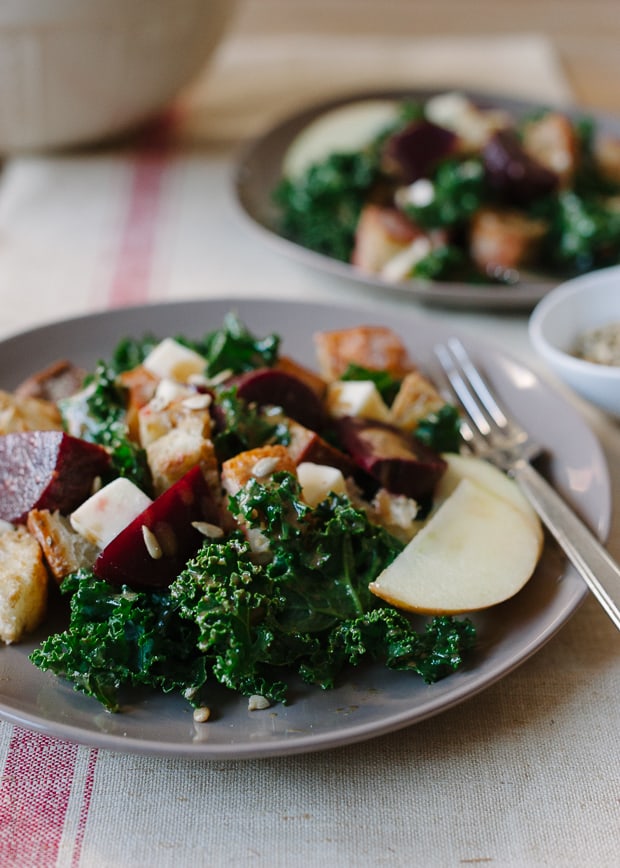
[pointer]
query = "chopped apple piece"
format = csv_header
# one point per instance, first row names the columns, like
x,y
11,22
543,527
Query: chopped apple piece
x,y
319,480
356,398
347,128
476,551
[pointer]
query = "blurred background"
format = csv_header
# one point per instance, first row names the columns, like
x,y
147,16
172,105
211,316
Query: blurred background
x,y
586,33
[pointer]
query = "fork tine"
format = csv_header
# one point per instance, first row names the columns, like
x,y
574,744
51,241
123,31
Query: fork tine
x,y
479,386
464,394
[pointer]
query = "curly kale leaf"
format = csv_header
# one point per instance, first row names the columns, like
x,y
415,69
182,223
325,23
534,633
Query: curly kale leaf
x,y
321,208
98,414
234,348
248,620
459,189
441,430
242,425
122,638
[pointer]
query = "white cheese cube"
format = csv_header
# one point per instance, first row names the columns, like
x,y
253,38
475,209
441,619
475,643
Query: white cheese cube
x,y
318,480
107,512
173,360
356,398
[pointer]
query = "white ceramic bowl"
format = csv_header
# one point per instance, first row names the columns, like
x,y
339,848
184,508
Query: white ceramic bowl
x,y
77,71
583,303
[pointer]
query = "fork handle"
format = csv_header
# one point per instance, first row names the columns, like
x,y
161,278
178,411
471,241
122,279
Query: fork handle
x,y
587,554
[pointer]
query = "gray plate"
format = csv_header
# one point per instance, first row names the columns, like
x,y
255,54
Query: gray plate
x,y
260,167
369,701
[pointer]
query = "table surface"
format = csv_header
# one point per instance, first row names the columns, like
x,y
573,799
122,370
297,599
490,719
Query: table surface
x,y
524,774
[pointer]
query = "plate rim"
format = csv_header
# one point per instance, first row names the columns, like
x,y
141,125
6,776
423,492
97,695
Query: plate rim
x,y
469,686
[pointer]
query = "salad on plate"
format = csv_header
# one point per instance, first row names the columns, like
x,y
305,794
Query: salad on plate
x,y
214,512
447,189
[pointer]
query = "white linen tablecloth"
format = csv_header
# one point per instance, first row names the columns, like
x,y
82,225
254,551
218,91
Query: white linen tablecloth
x,y
524,774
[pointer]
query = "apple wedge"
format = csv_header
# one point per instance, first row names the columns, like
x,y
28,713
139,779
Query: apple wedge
x,y
485,475
477,550
345,129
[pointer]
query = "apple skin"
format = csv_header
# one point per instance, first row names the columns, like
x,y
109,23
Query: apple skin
x,y
478,548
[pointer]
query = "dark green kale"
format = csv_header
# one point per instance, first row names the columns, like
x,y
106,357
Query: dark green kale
x,y
386,384
441,430
249,621
131,352
242,425
321,208
444,263
97,414
234,348
459,189
584,233
122,639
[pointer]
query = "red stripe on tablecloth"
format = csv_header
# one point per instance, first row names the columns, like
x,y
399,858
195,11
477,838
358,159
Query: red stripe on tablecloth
x,y
36,786
131,280
39,771
86,801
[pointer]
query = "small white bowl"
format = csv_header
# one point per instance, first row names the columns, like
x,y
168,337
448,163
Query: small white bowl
x,y
565,313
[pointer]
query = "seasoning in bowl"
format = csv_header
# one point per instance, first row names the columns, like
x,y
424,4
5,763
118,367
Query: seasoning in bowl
x,y
600,345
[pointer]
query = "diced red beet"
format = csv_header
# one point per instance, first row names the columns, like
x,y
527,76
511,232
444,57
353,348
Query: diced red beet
x,y
307,445
516,176
46,470
282,389
132,559
412,153
394,459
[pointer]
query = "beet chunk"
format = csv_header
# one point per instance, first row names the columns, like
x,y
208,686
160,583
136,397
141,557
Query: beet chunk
x,y
152,558
512,173
282,389
46,470
394,459
413,152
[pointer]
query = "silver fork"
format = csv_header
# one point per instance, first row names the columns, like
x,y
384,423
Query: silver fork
x,y
490,433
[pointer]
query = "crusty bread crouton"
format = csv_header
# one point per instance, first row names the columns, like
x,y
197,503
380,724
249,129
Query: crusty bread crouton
x,y
27,414
141,386
65,551
164,413
504,239
170,457
380,235
56,381
260,463
553,142
373,347
607,157
416,398
23,584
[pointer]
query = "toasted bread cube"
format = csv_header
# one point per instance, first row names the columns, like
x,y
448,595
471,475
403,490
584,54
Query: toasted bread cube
x,y
65,550
259,463
27,414
553,142
373,347
23,585
607,157
172,405
416,398
141,385
56,381
381,233
170,457
504,239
